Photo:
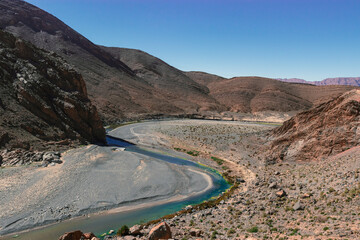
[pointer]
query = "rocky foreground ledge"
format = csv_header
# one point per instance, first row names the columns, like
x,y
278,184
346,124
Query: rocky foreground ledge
x,y
160,231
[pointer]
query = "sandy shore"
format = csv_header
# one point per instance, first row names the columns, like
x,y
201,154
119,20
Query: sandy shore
x,y
92,179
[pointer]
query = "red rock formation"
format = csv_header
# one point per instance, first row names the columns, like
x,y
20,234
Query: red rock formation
x,y
325,130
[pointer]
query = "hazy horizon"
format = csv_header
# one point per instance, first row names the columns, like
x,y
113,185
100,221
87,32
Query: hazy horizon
x,y
311,40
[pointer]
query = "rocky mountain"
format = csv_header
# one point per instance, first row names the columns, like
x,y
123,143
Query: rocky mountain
x,y
256,94
327,129
351,81
43,100
116,90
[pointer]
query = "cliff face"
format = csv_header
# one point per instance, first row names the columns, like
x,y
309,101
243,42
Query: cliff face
x,y
42,99
327,129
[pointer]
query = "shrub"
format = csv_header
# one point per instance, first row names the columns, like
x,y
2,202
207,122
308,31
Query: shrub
x,y
218,160
213,235
193,153
123,231
253,229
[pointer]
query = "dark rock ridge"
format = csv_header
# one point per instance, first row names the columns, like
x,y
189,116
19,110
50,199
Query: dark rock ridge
x,y
43,101
327,129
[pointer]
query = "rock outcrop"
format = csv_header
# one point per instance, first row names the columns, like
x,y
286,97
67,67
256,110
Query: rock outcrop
x,y
43,100
161,231
327,129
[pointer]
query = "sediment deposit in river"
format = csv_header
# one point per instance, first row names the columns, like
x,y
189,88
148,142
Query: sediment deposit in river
x,y
91,179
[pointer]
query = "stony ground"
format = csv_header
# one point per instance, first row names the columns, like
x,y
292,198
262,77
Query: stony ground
x,y
289,200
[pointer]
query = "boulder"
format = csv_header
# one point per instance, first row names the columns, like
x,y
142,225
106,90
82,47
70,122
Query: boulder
x,y
51,156
135,230
129,238
306,195
75,235
195,232
89,235
281,193
273,185
161,231
298,206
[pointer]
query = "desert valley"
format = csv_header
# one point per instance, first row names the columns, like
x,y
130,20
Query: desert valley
x,y
101,142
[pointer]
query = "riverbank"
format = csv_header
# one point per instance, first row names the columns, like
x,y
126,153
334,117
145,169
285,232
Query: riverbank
x,y
287,200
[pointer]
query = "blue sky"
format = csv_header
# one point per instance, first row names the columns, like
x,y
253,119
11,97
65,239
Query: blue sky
x,y
309,39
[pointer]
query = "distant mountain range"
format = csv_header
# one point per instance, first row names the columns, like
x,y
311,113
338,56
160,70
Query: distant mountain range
x,y
350,81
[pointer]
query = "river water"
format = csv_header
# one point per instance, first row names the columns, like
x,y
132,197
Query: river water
x,y
102,223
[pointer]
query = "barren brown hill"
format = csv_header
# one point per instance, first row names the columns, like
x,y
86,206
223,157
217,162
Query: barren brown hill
x,y
256,94
327,129
113,87
42,99
183,91
203,77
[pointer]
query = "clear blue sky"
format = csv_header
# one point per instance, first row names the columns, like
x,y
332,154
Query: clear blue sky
x,y
309,39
